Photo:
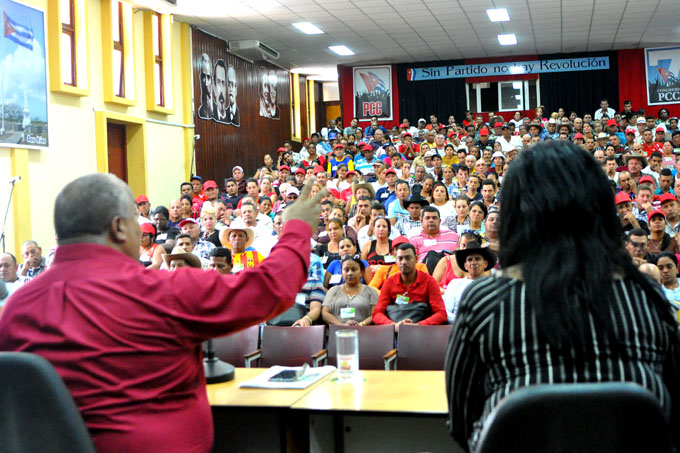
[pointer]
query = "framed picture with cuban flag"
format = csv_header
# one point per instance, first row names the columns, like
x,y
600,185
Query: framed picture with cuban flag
x,y
373,92
663,75
23,77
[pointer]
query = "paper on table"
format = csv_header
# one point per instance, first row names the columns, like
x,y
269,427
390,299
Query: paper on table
x,y
261,381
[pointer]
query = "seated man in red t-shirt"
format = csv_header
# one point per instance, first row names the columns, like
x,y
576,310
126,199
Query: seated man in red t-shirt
x,y
409,286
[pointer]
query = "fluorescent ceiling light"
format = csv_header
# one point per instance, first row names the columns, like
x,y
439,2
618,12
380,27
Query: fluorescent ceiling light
x,y
308,28
341,50
507,40
498,15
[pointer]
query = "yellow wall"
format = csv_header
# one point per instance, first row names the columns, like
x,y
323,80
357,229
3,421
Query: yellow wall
x,y
73,137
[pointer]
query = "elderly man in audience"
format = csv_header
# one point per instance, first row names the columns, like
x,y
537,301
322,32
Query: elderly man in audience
x,y
34,263
8,274
637,245
239,239
475,260
411,296
433,238
201,248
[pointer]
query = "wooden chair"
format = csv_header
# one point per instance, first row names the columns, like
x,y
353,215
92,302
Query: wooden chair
x,y
289,346
419,348
604,417
374,343
233,348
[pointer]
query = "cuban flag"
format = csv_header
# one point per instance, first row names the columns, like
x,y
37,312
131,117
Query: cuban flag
x,y
373,82
17,33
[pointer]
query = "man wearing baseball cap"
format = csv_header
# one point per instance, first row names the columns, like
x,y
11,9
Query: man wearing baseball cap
x,y
507,140
144,208
212,192
387,194
201,248
624,207
339,157
407,148
671,209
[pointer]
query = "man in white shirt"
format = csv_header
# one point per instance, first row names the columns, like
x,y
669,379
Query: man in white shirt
x,y
507,140
604,109
8,274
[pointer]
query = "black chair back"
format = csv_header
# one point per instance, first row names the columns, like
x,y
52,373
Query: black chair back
x,y
609,417
37,412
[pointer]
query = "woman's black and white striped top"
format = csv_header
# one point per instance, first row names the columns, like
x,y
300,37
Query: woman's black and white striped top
x,y
496,347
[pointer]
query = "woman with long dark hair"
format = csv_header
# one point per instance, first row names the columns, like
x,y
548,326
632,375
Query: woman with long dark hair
x,y
569,305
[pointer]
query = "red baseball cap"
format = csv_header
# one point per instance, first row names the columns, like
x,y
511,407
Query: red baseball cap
x,y
646,178
406,134
667,197
147,227
656,212
306,138
660,129
399,240
498,124
366,145
189,220
351,172
484,132
403,125
300,170
622,197
284,167
578,135
318,169
611,122
210,184
451,134
390,170
281,150
141,199
630,130
339,145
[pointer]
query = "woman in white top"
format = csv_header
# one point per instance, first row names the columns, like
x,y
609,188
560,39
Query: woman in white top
x,y
440,200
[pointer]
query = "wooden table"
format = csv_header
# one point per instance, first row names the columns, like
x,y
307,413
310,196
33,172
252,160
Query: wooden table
x,y
412,392
380,411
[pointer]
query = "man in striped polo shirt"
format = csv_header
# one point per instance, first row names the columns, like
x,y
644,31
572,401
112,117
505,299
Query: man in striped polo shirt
x,y
433,238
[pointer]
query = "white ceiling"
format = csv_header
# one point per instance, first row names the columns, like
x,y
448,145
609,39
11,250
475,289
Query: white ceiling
x,y
399,31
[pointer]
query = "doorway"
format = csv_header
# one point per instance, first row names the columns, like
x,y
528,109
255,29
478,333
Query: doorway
x,y
117,150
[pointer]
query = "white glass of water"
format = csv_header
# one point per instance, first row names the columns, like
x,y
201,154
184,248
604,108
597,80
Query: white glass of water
x,y
347,342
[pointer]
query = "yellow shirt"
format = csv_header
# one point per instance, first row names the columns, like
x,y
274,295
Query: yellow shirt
x,y
246,260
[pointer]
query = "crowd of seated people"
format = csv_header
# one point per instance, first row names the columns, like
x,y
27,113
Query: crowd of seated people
x,y
431,185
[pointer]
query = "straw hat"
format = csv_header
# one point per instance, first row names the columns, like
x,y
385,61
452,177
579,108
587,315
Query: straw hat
x,y
179,254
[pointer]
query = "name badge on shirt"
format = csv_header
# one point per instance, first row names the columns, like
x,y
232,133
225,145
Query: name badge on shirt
x,y
430,242
323,233
301,298
402,299
389,259
324,259
162,237
335,279
347,312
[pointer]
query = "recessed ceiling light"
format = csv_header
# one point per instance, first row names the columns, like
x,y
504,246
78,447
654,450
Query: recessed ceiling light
x,y
507,40
341,50
308,28
498,15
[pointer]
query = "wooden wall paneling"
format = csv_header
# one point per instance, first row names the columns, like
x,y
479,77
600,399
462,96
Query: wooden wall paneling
x,y
304,128
222,146
321,121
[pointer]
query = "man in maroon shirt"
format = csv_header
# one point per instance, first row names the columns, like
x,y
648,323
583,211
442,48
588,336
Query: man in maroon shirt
x,y
127,340
407,287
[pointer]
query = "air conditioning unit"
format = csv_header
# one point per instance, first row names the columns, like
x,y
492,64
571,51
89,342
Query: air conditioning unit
x,y
253,50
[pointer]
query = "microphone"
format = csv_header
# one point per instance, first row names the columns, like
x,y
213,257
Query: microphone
x,y
15,179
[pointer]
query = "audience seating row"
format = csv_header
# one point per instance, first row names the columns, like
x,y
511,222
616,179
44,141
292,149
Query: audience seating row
x,y
419,347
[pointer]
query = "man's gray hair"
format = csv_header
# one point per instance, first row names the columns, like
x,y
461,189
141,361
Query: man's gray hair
x,y
30,242
86,206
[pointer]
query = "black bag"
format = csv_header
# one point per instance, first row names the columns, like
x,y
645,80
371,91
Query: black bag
x,y
288,317
432,259
416,311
